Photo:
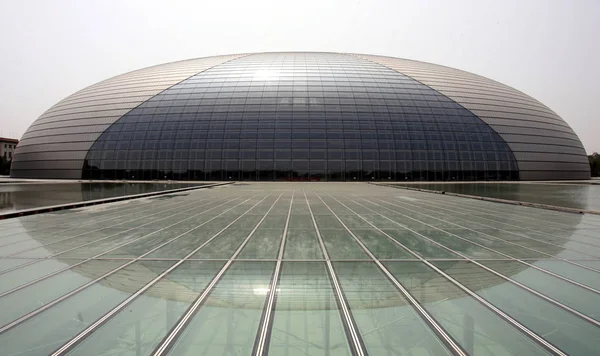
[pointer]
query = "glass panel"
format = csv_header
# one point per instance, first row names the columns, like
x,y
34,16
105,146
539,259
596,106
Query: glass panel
x,y
300,221
32,272
48,330
144,323
176,248
575,273
445,238
231,314
264,244
590,263
97,247
341,245
566,331
387,323
380,245
477,329
224,245
25,300
302,244
306,319
420,245
580,299
103,238
8,263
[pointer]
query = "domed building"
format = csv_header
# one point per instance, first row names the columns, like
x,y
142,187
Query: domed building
x,y
300,116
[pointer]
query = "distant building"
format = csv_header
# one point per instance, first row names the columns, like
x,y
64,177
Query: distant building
x,y
7,147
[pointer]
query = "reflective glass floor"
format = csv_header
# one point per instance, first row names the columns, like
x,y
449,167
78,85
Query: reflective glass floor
x,y
568,194
300,269
30,195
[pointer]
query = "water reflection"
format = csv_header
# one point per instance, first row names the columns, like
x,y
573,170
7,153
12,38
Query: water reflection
x,y
306,315
571,334
578,196
34,195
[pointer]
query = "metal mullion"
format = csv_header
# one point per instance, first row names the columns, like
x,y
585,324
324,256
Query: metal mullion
x,y
544,253
113,209
74,248
60,224
58,221
543,296
355,340
352,260
304,260
145,259
417,260
493,237
515,258
486,234
537,338
266,320
79,289
90,329
99,229
237,259
112,249
59,253
526,216
169,339
535,217
427,206
429,320
551,300
525,229
472,208
509,257
94,221
512,213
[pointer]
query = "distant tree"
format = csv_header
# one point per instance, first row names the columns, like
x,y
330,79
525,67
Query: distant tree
x,y
4,166
594,159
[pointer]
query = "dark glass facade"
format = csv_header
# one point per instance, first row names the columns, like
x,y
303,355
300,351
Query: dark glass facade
x,y
301,116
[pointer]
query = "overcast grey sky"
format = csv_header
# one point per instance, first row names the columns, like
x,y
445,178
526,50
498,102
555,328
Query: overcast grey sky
x,y
547,49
